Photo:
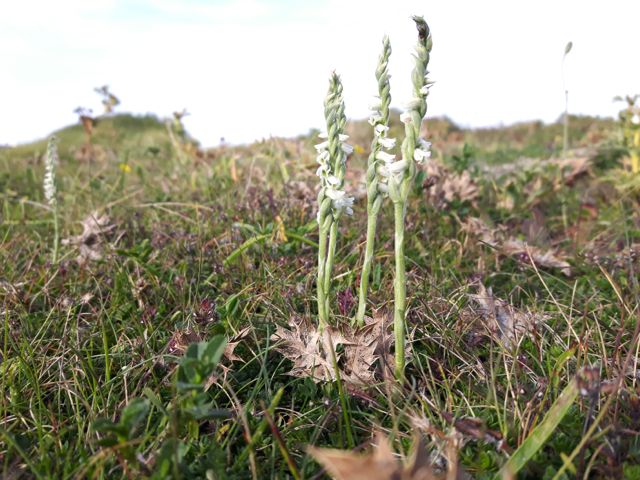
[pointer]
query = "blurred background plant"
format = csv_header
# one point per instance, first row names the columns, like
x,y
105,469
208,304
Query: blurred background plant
x,y
629,118
565,136
109,100
88,122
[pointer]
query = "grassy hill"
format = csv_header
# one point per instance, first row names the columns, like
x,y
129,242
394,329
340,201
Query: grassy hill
x,y
522,273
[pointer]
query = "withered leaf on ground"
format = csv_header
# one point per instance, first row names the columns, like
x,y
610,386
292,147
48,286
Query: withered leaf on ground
x,y
89,242
444,186
574,167
478,227
365,351
367,345
504,322
547,259
233,343
181,339
514,247
379,464
308,348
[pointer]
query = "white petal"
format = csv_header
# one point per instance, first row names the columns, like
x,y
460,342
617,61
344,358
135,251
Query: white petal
x,y
387,142
405,117
425,145
333,180
334,194
375,118
346,148
322,146
397,167
323,157
380,129
420,155
385,157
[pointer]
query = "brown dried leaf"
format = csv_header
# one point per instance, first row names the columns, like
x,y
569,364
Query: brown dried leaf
x,y
574,168
380,464
478,228
180,341
444,186
308,349
366,345
548,259
459,187
364,350
89,242
233,343
505,322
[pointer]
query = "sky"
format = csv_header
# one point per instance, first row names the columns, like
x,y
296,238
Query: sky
x,y
251,69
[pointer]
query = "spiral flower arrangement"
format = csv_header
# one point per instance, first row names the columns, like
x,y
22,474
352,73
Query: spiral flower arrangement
x,y
332,198
401,175
49,187
376,181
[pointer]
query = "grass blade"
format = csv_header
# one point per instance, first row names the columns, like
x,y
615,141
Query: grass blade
x,y
541,433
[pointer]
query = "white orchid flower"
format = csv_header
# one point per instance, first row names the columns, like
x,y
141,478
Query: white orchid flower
x,y
385,157
333,180
420,155
322,146
394,168
375,118
387,143
380,130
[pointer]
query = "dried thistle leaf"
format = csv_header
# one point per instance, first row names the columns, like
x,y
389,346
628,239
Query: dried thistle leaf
x,y
366,350
505,323
89,242
445,186
366,345
308,349
459,187
233,343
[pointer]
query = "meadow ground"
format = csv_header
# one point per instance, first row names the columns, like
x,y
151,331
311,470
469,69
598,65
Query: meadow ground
x,y
522,273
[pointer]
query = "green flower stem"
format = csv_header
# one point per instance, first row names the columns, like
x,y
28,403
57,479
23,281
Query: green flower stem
x,y
56,233
374,196
373,208
399,289
331,252
322,258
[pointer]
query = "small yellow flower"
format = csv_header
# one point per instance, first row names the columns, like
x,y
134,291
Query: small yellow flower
x,y
125,167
